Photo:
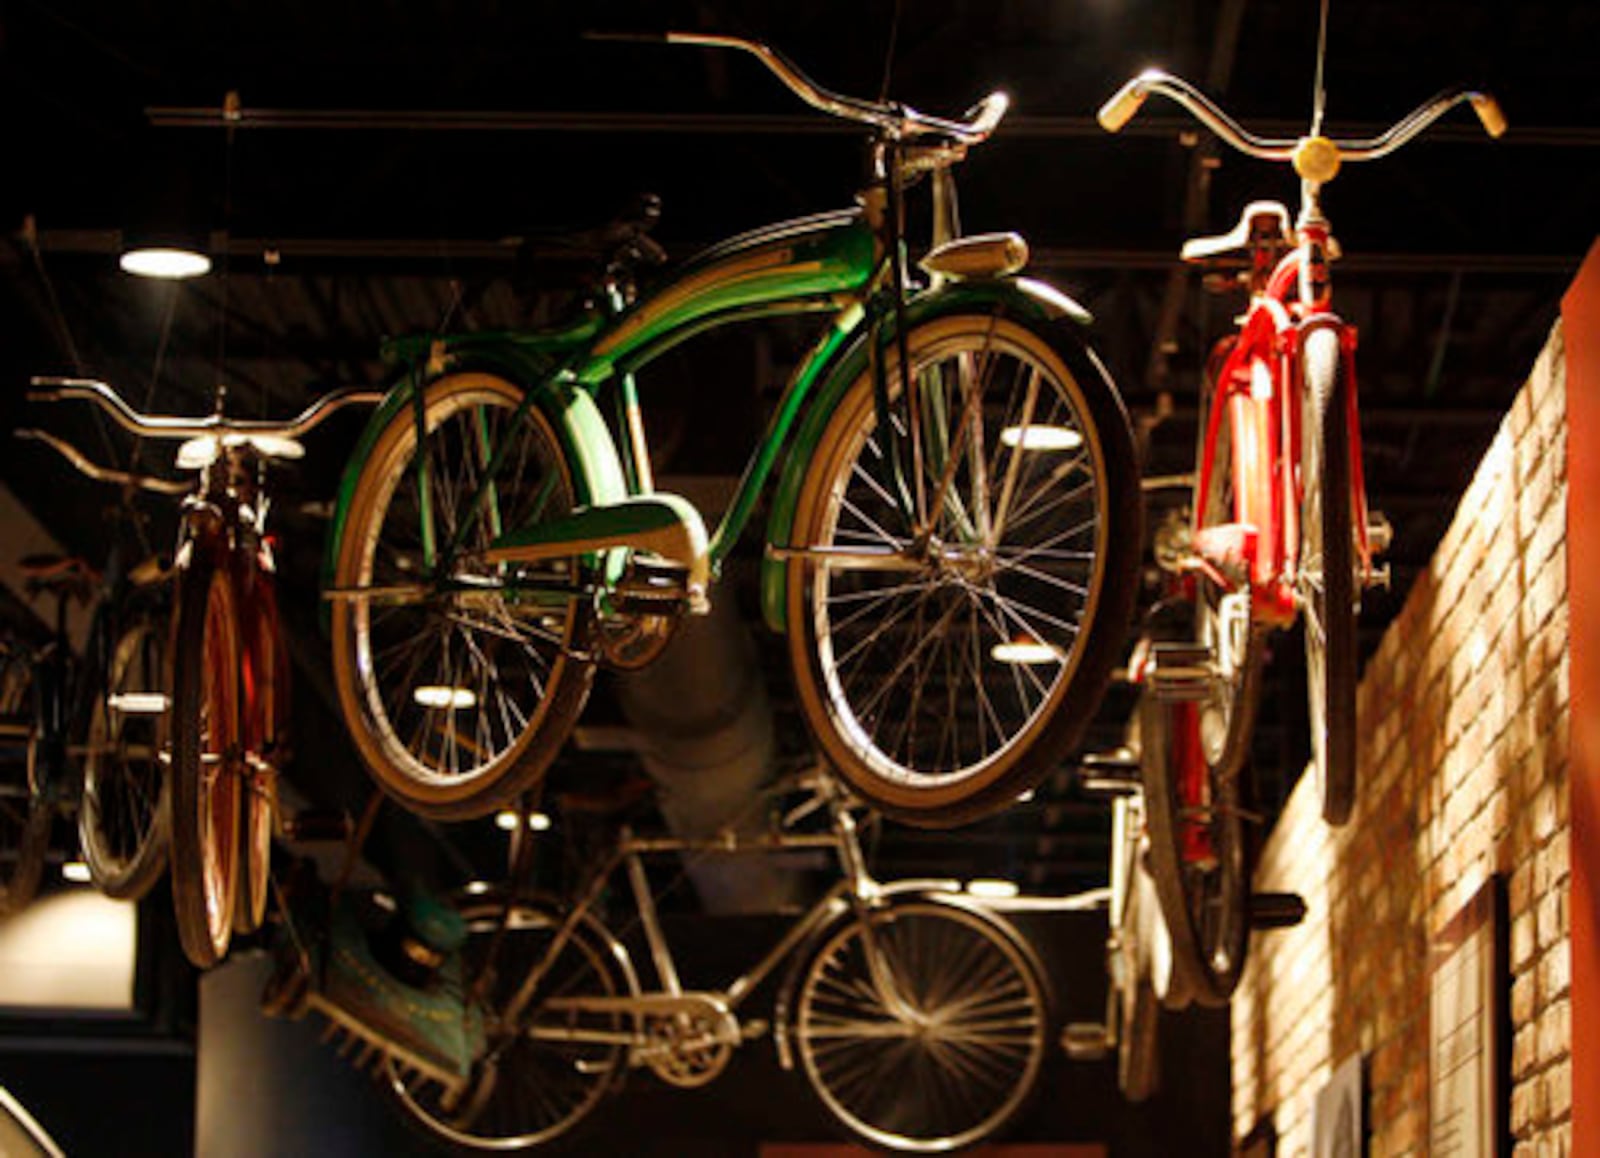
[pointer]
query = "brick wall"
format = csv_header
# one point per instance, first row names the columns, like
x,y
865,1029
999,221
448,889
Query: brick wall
x,y
1463,766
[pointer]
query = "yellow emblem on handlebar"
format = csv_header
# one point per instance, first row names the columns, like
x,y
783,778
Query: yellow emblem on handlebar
x,y
1316,159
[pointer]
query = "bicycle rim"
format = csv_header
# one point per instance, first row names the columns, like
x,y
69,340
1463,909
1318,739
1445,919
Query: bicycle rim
x,y
124,816
266,727
1197,856
205,780
1225,624
459,695
542,1088
934,686
959,1064
1326,574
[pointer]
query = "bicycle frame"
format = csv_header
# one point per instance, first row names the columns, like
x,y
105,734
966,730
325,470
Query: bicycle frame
x,y
856,890
1257,390
840,264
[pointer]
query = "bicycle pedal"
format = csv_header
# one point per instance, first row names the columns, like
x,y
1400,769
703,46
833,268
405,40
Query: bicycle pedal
x,y
653,587
1179,671
1276,910
1378,577
1109,774
1086,1040
1380,532
317,824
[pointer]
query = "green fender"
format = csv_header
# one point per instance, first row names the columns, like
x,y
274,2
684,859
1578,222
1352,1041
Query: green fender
x,y
586,441
1022,300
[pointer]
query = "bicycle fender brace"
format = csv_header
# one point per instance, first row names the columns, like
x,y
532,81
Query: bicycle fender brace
x,y
586,441
1024,300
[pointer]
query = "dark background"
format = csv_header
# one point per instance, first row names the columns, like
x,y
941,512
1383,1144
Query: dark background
x,y
500,135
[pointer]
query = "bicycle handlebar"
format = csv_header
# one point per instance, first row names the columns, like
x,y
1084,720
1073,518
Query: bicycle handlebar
x,y
215,425
1126,101
897,120
160,486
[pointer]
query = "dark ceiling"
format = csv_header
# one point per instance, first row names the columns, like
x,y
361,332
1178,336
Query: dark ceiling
x,y
460,146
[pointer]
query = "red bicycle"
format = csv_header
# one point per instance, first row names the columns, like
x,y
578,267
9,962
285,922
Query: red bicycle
x,y
1279,528
227,692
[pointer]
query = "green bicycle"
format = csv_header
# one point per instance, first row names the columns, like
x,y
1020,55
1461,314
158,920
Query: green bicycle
x,y
951,542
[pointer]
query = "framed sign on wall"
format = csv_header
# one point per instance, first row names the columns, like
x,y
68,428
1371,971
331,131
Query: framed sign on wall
x,y
1469,1031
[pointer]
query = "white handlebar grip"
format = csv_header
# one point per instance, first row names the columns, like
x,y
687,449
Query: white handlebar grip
x,y
1119,110
1490,113
989,112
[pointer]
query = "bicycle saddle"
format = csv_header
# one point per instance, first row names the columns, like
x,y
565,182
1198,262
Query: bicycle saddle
x,y
199,453
1261,223
65,575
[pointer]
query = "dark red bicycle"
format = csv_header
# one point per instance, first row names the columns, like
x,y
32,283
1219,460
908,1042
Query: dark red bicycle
x,y
1279,529
227,695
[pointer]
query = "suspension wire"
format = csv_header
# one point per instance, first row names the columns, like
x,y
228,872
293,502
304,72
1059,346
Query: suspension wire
x,y
230,116
58,315
1319,96
889,52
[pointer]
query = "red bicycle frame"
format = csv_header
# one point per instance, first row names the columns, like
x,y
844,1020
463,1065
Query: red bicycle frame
x,y
1259,389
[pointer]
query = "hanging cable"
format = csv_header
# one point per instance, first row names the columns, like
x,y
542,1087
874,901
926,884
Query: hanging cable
x,y
1319,96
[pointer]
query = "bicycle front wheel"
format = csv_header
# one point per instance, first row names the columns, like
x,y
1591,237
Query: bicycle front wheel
x,y
456,676
25,821
1326,572
940,1047
265,726
1198,859
951,639
538,1079
124,820
205,745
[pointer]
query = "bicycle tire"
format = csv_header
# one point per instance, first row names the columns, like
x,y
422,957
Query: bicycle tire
x,y
1236,642
917,744
967,1059
204,781
24,820
124,818
1204,901
524,668
265,726
1138,1036
1326,571
542,1089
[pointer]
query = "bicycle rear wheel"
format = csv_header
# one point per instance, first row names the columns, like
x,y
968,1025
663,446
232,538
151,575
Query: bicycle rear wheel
x,y
1198,857
1326,572
1224,620
24,820
953,1055
124,820
265,727
458,688
529,1089
205,778
946,667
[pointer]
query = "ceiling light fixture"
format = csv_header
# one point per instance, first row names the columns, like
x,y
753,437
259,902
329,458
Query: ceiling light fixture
x,y
1042,437
1024,651
166,262
438,696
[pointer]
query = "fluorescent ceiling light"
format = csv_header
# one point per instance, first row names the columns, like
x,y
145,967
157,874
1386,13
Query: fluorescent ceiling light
x,y
1042,437
1025,651
435,696
165,262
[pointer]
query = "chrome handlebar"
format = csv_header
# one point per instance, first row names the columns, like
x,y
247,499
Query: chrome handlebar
x,y
215,425
160,486
896,120
1126,101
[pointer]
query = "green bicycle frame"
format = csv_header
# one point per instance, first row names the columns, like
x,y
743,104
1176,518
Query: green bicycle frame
x,y
828,263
